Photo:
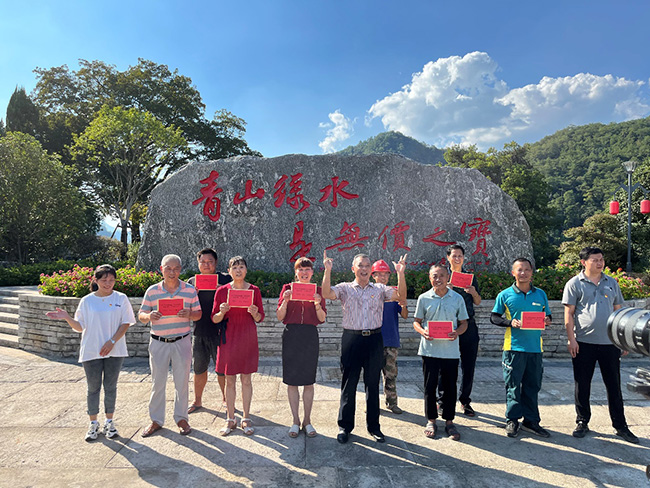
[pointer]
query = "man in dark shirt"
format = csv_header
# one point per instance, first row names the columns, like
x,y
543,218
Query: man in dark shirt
x,y
207,335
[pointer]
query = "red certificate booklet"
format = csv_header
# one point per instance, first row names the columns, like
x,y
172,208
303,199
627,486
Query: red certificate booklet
x,y
461,280
240,298
206,282
303,291
170,306
440,330
533,320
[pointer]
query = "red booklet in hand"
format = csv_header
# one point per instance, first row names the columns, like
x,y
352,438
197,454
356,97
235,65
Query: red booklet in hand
x,y
461,280
206,282
240,298
170,306
533,320
303,291
440,329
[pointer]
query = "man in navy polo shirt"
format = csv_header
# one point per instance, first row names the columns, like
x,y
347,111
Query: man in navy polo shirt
x,y
522,349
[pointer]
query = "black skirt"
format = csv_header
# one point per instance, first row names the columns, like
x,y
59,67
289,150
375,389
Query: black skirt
x,y
299,354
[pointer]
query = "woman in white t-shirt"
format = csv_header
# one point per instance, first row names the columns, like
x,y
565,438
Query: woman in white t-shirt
x,y
102,317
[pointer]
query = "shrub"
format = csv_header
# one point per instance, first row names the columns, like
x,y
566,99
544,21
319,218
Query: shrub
x,y
630,286
76,282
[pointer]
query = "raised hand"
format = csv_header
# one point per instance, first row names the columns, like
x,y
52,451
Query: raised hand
x,y
400,266
59,314
327,262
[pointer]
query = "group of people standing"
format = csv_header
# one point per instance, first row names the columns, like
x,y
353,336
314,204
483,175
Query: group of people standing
x,y
227,335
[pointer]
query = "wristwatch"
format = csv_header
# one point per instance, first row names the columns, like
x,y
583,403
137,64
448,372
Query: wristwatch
x,y
112,341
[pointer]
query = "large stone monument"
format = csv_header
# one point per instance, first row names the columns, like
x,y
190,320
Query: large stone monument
x,y
274,210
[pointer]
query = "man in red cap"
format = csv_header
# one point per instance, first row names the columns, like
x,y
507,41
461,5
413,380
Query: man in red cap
x,y
390,333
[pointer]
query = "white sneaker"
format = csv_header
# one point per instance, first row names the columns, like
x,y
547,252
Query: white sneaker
x,y
109,429
93,430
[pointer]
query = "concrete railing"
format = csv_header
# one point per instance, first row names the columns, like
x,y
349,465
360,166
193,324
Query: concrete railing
x,y
39,334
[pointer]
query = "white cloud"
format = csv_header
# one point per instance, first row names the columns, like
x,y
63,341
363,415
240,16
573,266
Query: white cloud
x,y
339,129
462,100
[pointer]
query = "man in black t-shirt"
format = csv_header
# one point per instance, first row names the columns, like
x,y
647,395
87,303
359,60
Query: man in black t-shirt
x,y
207,335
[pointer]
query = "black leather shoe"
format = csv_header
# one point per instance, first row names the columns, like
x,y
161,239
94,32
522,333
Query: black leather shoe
x,y
627,435
377,435
581,429
343,436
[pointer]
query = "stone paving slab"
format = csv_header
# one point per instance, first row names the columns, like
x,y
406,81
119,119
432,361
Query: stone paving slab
x,y
43,422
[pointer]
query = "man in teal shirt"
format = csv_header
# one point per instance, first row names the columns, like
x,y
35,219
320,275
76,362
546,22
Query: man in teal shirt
x,y
522,349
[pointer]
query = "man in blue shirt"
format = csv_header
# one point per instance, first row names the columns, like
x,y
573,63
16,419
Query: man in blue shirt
x,y
390,335
440,356
522,349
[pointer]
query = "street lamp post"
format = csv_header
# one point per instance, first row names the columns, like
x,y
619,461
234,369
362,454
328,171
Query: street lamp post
x,y
630,166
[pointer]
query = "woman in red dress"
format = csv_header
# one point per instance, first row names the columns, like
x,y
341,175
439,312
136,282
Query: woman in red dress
x,y
300,345
239,354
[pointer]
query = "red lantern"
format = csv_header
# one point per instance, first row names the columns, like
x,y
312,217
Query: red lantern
x,y
614,207
645,206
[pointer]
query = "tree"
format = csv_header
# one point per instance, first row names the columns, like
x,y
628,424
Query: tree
x,y
22,114
124,154
42,214
3,130
512,172
601,230
71,99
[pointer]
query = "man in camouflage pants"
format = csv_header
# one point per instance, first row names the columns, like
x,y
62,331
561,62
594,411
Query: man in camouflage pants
x,y
390,335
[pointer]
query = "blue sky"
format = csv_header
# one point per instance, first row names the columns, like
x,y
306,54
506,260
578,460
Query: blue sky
x,y
315,76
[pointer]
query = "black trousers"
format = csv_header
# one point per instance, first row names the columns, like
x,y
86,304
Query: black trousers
x,y
468,345
447,371
608,358
360,352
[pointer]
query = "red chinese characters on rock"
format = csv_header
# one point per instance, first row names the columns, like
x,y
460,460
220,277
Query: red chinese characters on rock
x,y
212,204
295,199
304,248
398,236
348,238
479,229
336,189
248,193
433,238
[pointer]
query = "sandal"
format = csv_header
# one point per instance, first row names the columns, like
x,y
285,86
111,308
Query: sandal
x,y
309,430
193,408
248,428
452,432
294,431
231,425
431,430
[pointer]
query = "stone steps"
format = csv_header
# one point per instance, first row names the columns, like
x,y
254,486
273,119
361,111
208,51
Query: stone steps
x,y
9,308
7,340
9,328
10,318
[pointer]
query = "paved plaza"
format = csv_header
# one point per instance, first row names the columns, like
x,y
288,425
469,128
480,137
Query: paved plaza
x,y
43,421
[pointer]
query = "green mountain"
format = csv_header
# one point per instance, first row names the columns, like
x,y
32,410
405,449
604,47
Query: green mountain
x,y
582,164
397,143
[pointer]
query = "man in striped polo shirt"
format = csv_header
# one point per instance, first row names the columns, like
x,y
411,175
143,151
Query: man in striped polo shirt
x,y
170,342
